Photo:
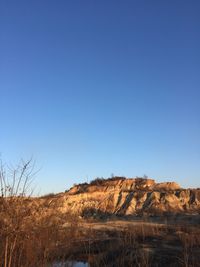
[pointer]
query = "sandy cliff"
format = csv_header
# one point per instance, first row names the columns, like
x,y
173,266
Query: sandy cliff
x,y
122,196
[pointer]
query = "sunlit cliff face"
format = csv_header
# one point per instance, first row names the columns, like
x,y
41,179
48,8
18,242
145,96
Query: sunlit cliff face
x,y
120,196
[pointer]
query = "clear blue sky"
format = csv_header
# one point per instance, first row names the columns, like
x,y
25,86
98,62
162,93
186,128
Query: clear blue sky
x,y
91,88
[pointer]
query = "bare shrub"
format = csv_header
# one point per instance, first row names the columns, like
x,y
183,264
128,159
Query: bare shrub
x,y
30,228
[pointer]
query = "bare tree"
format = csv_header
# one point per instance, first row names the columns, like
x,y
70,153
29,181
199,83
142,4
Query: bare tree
x,y
16,181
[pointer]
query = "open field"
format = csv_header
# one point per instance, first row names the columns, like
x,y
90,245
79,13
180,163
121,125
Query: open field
x,y
141,243
40,239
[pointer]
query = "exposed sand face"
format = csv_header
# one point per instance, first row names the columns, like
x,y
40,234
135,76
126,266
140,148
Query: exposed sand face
x,y
128,197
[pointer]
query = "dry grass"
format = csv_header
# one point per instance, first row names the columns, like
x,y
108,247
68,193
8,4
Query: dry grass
x,y
29,234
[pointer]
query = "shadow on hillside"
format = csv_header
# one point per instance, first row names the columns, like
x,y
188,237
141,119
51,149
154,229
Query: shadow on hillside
x,y
164,218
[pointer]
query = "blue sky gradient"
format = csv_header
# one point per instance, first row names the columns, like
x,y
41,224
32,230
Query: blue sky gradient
x,y
90,88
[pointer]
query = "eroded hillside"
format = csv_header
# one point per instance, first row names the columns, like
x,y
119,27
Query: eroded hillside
x,y
131,196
